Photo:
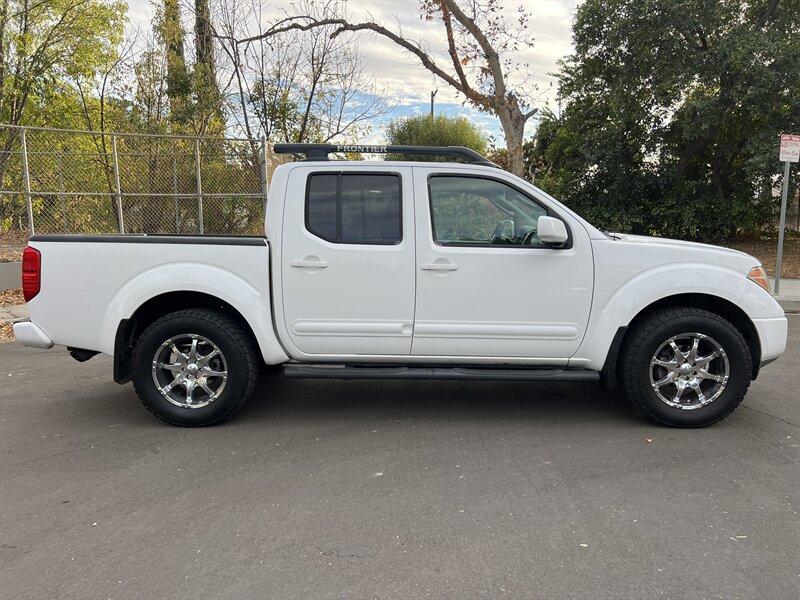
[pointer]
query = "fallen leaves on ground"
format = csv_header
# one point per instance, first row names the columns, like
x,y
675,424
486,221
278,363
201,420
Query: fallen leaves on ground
x,y
11,297
767,250
6,333
10,254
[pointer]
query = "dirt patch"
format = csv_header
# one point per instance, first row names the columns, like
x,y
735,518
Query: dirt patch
x,y
11,245
10,254
767,250
6,333
11,297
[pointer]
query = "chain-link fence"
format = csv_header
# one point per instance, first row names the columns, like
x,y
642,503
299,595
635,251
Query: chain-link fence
x,y
67,181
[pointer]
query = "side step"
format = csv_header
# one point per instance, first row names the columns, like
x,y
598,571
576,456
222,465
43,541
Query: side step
x,y
328,371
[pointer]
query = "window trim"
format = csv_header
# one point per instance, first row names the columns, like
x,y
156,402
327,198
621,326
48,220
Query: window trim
x,y
339,175
548,211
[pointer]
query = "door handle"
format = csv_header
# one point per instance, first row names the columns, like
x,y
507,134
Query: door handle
x,y
308,264
439,267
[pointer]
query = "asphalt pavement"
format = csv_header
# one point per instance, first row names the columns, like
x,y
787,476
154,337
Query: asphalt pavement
x,y
381,489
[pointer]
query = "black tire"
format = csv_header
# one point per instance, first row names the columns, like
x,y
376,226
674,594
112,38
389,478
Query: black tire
x,y
237,348
646,336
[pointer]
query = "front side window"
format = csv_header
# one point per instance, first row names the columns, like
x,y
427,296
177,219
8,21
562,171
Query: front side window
x,y
355,208
469,211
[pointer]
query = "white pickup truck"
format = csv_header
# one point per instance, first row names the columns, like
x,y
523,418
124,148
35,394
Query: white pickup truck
x,y
407,270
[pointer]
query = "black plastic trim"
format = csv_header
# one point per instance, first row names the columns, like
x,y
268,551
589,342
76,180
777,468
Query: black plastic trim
x,y
763,364
145,238
441,372
608,374
550,213
122,345
81,354
317,152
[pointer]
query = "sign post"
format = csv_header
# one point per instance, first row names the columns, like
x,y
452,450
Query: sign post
x,y
789,153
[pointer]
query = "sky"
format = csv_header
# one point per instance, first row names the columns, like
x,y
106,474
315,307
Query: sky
x,y
408,84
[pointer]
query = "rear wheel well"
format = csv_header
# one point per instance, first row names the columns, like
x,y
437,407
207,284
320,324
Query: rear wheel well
x,y
129,330
727,310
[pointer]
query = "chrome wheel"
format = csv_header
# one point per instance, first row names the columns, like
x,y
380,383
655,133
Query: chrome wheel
x,y
189,370
689,371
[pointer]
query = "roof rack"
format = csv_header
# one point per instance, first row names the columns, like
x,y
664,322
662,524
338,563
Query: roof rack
x,y
321,151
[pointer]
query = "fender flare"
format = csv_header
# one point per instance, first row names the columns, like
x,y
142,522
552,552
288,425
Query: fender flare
x,y
251,303
644,290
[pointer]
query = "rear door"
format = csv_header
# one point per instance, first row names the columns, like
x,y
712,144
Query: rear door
x,y
348,261
486,286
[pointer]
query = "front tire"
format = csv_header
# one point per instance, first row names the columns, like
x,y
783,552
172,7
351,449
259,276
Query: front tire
x,y
194,367
685,367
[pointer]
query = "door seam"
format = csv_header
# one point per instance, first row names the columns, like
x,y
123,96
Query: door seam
x,y
413,188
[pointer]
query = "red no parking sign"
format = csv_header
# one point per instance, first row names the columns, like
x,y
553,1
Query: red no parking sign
x,y
790,148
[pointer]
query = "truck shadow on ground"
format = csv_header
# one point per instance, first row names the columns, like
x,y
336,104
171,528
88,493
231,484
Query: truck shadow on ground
x,y
451,401
320,403
87,395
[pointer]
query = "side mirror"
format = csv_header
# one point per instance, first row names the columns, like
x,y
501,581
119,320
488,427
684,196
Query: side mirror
x,y
551,230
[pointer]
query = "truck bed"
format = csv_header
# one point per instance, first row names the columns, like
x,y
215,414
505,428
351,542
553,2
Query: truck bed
x,y
89,284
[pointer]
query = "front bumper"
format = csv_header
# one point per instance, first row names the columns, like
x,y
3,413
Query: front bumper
x,y
772,334
29,334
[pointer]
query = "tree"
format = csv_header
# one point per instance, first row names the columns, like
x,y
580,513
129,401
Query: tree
x,y
150,102
310,88
42,44
207,93
179,83
480,44
673,113
425,130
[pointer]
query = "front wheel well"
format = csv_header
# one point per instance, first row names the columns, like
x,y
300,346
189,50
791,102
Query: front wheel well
x,y
724,308
129,329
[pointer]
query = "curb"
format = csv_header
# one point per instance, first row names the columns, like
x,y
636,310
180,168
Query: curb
x,y
790,305
9,314
10,275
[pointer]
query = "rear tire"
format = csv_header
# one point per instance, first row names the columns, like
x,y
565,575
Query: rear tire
x,y
194,367
685,367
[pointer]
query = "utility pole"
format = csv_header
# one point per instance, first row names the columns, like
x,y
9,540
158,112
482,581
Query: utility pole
x,y
433,95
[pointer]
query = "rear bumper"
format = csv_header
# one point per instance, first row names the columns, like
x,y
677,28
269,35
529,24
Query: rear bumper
x,y
29,334
772,334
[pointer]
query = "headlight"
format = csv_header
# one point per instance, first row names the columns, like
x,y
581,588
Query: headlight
x,y
759,276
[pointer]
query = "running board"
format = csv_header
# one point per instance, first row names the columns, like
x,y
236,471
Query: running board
x,y
327,371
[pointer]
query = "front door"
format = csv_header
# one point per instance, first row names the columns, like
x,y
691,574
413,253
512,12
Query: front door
x,y
486,286
348,261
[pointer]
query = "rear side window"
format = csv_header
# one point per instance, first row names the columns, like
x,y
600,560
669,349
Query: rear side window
x,y
355,208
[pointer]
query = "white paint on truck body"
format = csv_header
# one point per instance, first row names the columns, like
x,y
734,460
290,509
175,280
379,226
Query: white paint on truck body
x,y
417,301
89,287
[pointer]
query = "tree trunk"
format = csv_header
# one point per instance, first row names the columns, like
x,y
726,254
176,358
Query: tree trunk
x,y
513,123
209,99
178,84
204,44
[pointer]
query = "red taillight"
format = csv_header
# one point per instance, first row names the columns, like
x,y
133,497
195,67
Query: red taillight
x,y
31,272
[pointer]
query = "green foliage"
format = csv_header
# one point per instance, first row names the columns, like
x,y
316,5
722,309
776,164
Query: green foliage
x,y
46,43
437,131
673,113
465,217
45,46
276,108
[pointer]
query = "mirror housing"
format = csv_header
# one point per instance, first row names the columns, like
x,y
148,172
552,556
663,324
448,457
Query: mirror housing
x,y
551,230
